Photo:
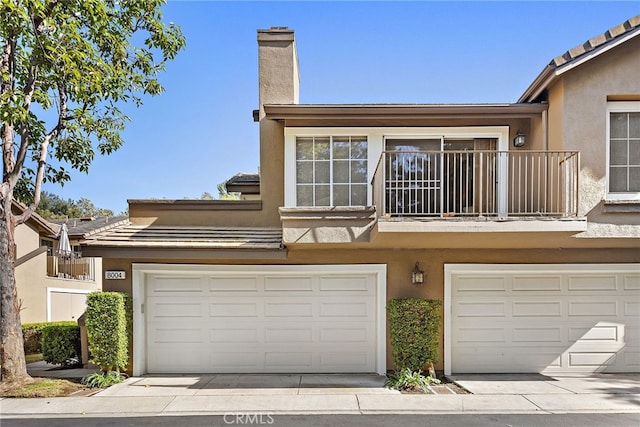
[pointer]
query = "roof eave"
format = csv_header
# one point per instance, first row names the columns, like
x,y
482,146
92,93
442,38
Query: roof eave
x,y
552,71
405,111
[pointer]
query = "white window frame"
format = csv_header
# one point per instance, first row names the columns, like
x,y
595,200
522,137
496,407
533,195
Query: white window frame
x,y
618,107
331,161
376,137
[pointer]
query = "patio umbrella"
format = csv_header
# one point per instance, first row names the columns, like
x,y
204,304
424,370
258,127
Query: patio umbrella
x,y
64,247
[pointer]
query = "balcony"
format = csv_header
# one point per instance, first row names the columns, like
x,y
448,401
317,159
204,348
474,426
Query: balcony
x,y
73,267
474,190
477,184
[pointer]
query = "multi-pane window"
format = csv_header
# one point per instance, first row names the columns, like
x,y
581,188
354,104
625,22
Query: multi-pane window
x,y
331,171
624,152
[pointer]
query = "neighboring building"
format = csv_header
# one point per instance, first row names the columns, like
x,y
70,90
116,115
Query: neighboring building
x,y
524,219
246,185
52,287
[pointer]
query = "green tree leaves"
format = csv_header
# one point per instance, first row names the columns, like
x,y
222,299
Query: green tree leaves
x,y
66,69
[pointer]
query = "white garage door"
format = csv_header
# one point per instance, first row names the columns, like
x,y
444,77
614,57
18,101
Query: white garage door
x,y
544,318
263,319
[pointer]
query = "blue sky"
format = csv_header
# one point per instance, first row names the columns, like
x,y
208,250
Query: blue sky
x,y
200,132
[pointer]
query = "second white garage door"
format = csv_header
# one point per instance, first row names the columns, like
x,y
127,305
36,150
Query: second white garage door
x,y
543,318
264,319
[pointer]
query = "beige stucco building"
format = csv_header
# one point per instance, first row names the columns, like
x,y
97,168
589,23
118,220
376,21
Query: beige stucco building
x,y
50,286
523,217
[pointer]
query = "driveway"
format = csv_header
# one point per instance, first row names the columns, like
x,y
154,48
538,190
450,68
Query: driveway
x,y
247,384
341,394
559,394
549,384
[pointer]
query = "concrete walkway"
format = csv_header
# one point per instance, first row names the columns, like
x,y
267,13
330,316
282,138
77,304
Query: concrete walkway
x,y
338,394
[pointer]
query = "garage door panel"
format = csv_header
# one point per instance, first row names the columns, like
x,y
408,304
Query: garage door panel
x,y
536,309
233,335
176,285
535,283
233,284
177,309
631,308
272,323
593,283
574,321
631,282
593,308
288,284
344,284
537,335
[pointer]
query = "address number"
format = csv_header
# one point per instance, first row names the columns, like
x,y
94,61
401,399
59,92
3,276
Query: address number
x,y
115,275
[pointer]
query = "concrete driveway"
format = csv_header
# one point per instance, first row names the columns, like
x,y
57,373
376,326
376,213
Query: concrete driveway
x,y
340,394
545,384
555,393
247,384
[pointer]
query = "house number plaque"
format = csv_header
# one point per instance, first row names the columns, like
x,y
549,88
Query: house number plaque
x,y
115,275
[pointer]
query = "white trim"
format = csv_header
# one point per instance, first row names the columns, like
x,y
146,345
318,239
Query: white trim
x,y
139,271
451,269
65,291
375,139
617,107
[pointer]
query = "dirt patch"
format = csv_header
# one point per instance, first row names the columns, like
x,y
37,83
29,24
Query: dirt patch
x,y
44,387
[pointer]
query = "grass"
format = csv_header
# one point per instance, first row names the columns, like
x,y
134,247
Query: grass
x,y
41,387
30,358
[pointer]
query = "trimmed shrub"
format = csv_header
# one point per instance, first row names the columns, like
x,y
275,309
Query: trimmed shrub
x,y
32,334
61,344
107,330
415,331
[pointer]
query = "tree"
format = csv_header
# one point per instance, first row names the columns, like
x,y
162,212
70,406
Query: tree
x,y
223,194
66,69
52,206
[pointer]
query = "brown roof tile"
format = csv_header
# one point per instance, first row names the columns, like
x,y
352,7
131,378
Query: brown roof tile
x,y
596,42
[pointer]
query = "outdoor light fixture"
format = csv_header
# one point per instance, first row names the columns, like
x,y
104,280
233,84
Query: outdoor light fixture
x,y
519,139
417,275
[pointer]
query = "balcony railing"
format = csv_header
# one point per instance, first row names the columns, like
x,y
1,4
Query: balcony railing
x,y
444,184
72,267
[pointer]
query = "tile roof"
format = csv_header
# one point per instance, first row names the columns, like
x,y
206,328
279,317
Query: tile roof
x,y
244,178
191,237
579,54
84,227
246,183
596,42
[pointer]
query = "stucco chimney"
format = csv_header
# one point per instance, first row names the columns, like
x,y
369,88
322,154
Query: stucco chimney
x,y
278,75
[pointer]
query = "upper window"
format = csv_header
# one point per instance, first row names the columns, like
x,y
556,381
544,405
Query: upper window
x,y
331,171
624,150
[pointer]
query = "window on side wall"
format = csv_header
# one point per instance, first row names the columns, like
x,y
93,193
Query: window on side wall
x,y
623,151
331,171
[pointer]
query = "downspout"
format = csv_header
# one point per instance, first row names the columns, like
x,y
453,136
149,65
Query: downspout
x,y
545,130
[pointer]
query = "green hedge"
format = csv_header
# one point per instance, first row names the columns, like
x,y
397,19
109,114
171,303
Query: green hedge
x,y
106,324
32,334
60,343
415,332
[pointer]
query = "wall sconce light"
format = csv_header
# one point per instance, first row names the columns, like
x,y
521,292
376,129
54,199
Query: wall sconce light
x,y
519,140
417,275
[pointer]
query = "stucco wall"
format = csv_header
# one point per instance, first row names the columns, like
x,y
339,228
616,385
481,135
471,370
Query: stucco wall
x,y
400,264
27,240
32,283
578,113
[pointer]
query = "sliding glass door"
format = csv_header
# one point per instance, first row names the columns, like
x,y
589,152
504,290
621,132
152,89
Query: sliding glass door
x,y
440,176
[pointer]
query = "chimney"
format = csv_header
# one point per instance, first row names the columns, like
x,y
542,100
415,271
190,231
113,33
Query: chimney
x,y
278,75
